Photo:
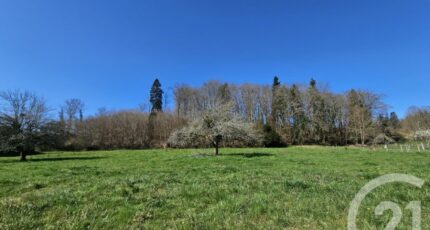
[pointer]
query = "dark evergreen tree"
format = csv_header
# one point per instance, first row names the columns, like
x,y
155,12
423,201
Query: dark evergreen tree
x,y
393,127
394,120
224,94
276,83
382,124
61,116
313,83
298,119
275,106
156,97
316,115
271,137
81,116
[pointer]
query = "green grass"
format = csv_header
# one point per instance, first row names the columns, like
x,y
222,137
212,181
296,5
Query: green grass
x,y
294,188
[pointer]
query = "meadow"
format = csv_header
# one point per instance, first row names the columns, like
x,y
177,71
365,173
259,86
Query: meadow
x,y
255,188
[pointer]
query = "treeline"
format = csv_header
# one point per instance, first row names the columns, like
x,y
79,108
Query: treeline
x,y
283,114
293,114
123,130
127,129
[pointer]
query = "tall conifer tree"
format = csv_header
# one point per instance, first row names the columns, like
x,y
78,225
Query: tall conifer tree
x,y
156,97
276,105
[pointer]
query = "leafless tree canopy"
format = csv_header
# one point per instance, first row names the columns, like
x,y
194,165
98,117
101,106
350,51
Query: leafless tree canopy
x,y
73,112
22,117
417,123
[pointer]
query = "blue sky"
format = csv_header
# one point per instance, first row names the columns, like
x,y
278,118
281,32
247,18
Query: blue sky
x,y
107,53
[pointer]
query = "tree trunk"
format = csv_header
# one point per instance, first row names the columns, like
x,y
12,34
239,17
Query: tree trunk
x,y
23,156
216,145
363,138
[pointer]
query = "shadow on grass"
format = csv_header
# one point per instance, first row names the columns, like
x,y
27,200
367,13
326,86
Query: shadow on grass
x,y
248,155
52,159
12,154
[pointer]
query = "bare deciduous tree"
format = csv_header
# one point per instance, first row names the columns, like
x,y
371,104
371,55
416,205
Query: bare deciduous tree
x,y
22,116
73,110
362,107
417,122
124,129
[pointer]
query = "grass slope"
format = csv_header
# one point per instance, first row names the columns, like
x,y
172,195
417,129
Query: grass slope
x,y
294,188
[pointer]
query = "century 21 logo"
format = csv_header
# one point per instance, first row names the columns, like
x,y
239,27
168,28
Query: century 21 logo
x,y
414,206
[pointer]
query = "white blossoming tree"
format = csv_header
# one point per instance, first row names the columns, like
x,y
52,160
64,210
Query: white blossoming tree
x,y
217,125
422,135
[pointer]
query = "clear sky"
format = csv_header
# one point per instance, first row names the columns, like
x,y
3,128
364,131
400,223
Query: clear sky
x,y
107,53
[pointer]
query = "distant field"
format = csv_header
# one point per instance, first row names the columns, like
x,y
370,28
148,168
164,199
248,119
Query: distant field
x,y
294,188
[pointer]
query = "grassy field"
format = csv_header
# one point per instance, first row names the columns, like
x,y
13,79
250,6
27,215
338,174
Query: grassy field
x,y
289,188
